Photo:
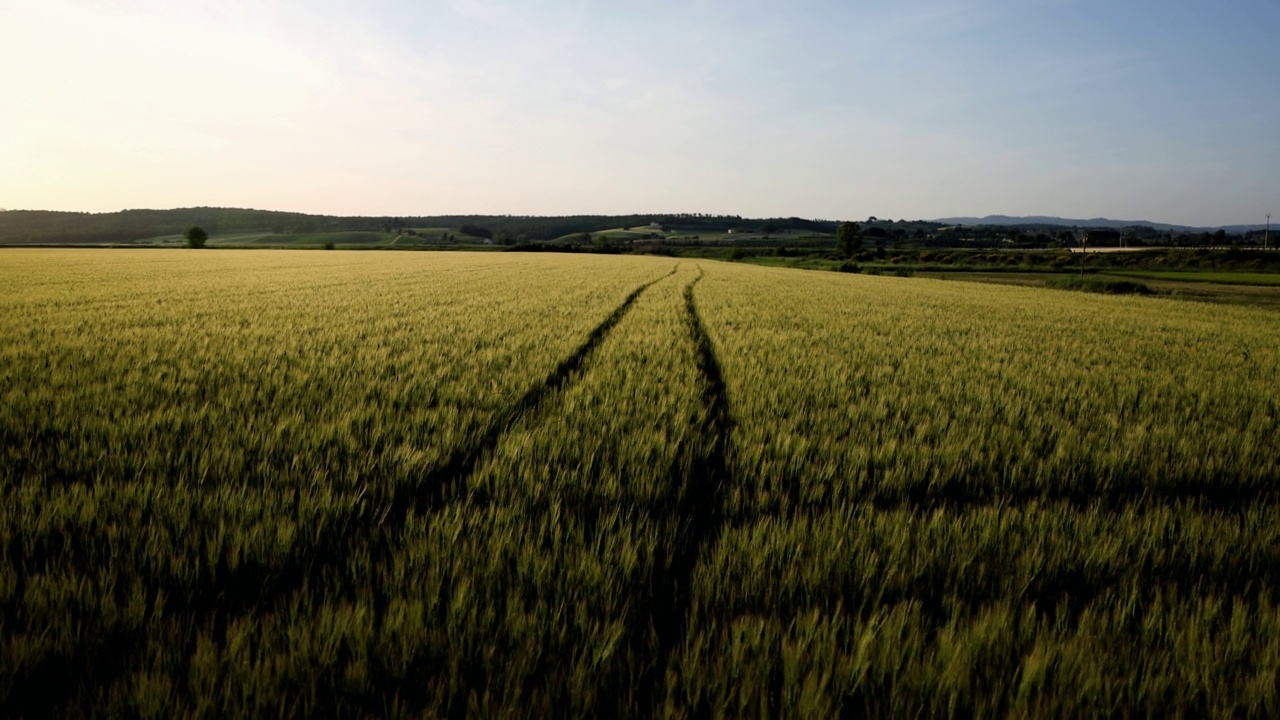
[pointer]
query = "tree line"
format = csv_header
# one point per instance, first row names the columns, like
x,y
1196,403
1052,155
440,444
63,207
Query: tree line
x,y
38,226
45,227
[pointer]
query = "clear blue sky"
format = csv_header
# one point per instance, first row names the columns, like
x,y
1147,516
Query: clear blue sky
x,y
1135,110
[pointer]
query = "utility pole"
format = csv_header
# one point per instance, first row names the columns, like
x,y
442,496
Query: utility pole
x,y
1266,238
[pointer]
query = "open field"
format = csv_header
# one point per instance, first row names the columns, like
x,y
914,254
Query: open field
x,y
338,238
1234,293
505,484
426,237
1221,278
236,239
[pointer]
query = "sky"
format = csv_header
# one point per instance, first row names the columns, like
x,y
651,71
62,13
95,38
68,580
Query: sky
x,y
909,109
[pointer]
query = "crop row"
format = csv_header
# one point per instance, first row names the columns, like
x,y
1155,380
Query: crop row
x,y
927,392
223,437
955,499
505,485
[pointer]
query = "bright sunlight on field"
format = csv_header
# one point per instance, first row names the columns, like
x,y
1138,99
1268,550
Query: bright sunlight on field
x,y
241,483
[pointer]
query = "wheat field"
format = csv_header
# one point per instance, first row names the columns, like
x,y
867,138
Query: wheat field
x,y
510,485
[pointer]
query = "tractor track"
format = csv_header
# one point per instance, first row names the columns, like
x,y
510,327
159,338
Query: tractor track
x,y
700,510
252,588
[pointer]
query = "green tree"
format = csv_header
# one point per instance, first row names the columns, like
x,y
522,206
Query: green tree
x,y
196,237
476,231
849,238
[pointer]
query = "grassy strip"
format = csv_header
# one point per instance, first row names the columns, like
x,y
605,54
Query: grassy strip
x,y
1098,284
1224,278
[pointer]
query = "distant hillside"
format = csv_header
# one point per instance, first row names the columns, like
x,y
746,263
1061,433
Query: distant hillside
x,y
1090,223
39,227
18,227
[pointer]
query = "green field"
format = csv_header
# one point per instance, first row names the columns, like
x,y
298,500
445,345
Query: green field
x,y
263,482
340,240
315,239
1225,278
1251,295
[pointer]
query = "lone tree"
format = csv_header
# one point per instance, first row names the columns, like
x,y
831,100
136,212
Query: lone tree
x,y
849,238
196,237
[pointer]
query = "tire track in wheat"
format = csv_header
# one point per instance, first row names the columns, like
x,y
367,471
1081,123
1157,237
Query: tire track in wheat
x,y
701,509
253,589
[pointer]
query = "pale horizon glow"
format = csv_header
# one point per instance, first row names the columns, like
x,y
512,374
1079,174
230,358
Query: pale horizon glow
x,y
822,109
